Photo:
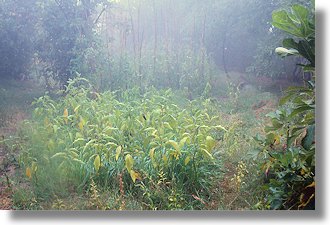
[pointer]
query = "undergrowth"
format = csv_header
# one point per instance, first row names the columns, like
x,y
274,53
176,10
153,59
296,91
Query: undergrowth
x,y
129,150
164,154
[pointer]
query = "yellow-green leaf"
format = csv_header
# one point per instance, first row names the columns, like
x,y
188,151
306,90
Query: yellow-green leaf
x,y
66,114
187,160
79,161
97,163
174,144
55,128
81,124
221,127
151,153
88,144
154,133
76,109
59,154
79,140
206,153
34,167
134,175
182,142
153,144
79,135
51,144
118,151
129,162
46,122
28,172
167,125
165,159
210,143
74,154
111,145
152,156
173,122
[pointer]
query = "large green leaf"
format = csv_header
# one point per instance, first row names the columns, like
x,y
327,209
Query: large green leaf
x,y
296,22
300,109
282,21
301,14
290,43
309,139
306,50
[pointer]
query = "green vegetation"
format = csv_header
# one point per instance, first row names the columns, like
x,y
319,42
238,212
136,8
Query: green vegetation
x,y
133,150
154,144
157,105
289,147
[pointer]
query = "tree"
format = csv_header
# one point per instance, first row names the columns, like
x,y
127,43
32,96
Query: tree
x,y
242,39
17,19
67,33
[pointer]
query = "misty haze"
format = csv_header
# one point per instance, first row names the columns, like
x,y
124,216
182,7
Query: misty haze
x,y
157,105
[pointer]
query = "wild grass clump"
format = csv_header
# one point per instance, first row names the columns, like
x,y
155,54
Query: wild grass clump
x,y
163,153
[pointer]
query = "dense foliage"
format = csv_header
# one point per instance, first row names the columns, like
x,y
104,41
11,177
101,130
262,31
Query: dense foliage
x,y
154,144
16,21
155,104
115,45
289,146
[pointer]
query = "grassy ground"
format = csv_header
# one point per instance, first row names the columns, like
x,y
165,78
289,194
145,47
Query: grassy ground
x,y
242,111
15,106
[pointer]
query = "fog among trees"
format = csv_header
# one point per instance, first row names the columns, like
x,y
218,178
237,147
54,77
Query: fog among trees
x,y
169,104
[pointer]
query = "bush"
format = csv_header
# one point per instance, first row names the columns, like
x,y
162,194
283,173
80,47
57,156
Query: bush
x,y
288,149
